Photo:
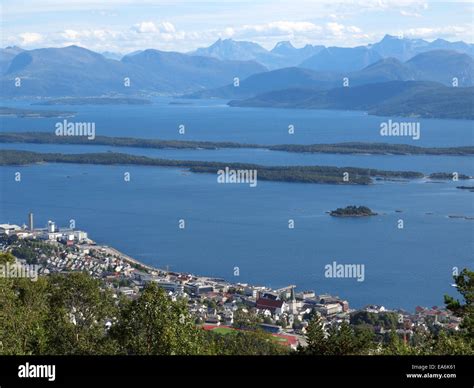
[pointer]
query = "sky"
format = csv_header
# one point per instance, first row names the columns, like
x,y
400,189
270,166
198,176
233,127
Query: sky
x,y
123,26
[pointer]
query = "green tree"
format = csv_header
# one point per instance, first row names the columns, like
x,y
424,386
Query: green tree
x,y
245,343
153,324
6,257
396,346
316,337
465,286
245,320
342,340
78,312
452,344
23,311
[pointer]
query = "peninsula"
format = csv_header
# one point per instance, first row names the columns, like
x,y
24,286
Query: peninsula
x,y
336,148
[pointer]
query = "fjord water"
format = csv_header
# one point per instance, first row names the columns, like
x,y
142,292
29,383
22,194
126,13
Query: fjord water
x,y
213,120
230,226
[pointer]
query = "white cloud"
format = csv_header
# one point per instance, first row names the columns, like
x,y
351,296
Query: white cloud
x,y
278,28
164,35
383,5
28,38
145,27
354,29
410,14
298,32
167,27
341,23
438,32
148,27
335,28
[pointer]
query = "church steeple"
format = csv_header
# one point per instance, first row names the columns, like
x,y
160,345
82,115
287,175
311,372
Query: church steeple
x,y
292,304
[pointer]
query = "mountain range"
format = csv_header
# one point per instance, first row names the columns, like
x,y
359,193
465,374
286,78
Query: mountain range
x,y
264,75
404,48
318,57
76,71
438,66
284,54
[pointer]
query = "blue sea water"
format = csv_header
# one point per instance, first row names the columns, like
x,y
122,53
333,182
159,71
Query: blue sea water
x,y
230,226
213,120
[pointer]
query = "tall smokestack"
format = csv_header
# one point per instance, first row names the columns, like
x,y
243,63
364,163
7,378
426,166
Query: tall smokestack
x,y
30,222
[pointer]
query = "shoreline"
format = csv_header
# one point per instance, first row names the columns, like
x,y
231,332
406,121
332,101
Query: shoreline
x,y
137,269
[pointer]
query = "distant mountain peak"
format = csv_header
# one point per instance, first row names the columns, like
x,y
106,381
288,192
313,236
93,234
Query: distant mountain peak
x,y
75,46
229,42
389,37
284,43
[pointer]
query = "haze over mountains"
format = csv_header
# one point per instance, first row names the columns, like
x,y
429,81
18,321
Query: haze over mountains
x,y
76,71
437,66
404,49
284,54
317,57
265,77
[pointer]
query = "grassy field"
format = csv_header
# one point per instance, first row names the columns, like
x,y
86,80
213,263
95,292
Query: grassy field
x,y
223,330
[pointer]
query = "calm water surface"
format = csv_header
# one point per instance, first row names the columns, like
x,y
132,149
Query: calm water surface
x,y
231,226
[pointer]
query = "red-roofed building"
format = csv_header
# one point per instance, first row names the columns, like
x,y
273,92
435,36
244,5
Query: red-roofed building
x,y
275,306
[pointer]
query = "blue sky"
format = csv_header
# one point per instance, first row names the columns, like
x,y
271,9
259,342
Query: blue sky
x,y
183,25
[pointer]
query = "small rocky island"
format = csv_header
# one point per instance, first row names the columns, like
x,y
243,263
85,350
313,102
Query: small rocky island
x,y
352,211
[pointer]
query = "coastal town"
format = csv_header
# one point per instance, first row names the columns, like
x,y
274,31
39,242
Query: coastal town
x,y
215,303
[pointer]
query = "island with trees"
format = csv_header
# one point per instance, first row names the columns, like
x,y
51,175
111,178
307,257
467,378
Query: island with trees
x,y
293,174
352,211
349,148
